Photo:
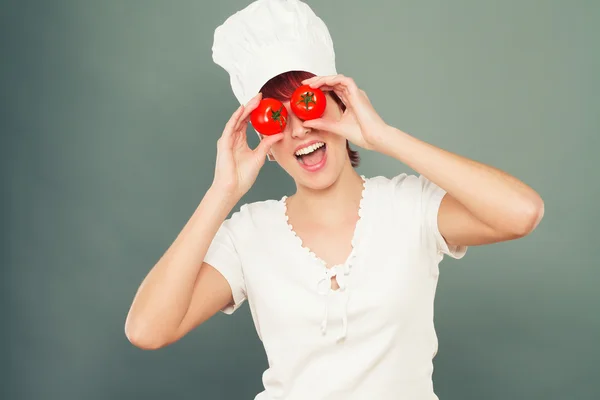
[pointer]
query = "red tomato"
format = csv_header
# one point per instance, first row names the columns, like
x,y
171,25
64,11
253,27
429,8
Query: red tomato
x,y
308,103
270,117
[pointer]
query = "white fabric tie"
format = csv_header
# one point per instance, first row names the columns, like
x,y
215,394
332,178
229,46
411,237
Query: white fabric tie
x,y
340,272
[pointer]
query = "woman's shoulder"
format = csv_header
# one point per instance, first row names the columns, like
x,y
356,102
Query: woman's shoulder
x,y
399,181
253,215
261,209
401,191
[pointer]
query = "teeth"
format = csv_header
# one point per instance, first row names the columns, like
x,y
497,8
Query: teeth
x,y
310,149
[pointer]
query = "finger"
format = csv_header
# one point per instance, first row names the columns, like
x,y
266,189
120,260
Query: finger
x,y
332,85
318,81
248,108
243,128
337,90
265,144
326,88
335,80
309,80
339,93
341,85
232,122
321,124
239,138
342,94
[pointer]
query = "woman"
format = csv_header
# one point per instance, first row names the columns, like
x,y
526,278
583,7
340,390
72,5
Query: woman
x,y
340,276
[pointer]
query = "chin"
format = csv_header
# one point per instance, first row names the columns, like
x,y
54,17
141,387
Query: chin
x,y
320,182
316,176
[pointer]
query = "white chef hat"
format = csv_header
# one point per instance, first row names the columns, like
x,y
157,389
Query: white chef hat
x,y
270,37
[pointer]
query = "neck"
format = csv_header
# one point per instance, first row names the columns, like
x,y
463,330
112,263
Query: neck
x,y
339,199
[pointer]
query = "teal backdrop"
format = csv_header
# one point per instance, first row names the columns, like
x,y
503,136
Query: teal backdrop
x,y
110,114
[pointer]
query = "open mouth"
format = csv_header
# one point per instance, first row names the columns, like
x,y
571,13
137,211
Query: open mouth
x,y
312,155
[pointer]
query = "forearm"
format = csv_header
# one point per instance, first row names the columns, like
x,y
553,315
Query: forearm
x,y
164,296
494,197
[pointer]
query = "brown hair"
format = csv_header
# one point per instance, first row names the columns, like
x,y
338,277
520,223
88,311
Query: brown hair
x,y
283,85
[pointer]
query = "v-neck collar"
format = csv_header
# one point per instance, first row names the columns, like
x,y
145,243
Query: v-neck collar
x,y
339,271
356,234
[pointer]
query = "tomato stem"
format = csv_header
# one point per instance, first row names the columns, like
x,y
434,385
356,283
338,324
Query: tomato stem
x,y
276,116
307,98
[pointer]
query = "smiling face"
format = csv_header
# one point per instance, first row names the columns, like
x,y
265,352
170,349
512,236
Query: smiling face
x,y
314,159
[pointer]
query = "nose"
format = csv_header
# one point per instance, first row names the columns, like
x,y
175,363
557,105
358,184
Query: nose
x,y
298,130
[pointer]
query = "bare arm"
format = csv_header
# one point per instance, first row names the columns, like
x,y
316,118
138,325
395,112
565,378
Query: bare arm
x,y
483,204
181,291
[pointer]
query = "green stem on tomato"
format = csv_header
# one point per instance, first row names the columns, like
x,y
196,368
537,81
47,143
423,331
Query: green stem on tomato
x,y
276,116
307,98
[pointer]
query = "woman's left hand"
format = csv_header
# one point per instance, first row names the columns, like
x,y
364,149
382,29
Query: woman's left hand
x,y
360,123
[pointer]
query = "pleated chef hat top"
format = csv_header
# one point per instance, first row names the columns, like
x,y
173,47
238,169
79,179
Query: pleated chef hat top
x,y
270,37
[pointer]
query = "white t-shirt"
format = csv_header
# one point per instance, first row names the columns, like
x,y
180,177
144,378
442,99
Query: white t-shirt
x,y
374,338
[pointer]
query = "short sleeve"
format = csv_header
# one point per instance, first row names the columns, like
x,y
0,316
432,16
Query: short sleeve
x,y
431,198
223,256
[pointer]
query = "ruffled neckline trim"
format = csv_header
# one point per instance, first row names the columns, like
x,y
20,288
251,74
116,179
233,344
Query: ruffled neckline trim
x,y
355,237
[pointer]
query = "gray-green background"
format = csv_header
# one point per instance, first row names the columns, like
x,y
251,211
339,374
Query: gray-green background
x,y
110,112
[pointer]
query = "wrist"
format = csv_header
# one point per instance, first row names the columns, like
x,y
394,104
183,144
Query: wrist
x,y
406,148
394,143
384,140
227,199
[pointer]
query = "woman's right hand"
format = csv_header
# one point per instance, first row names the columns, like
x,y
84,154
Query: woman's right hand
x,y
237,165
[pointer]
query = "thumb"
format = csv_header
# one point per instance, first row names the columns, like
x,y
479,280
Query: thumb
x,y
321,124
265,144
